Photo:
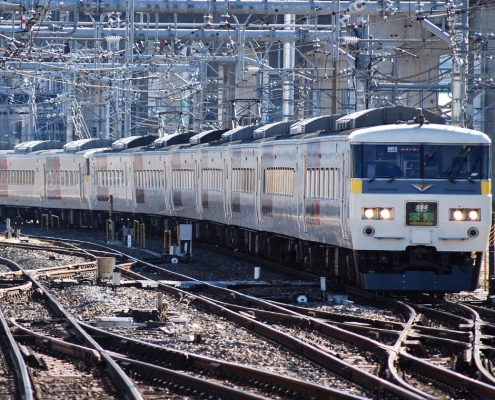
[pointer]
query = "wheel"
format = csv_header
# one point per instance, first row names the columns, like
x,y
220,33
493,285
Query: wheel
x,y
174,260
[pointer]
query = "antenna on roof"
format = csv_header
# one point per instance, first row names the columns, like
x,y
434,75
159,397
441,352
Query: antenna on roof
x,y
419,118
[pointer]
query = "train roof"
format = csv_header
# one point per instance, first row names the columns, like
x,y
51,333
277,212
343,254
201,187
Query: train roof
x,y
427,133
86,144
37,145
362,126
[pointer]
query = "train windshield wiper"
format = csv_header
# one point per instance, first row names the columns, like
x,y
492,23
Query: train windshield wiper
x,y
371,179
391,179
469,179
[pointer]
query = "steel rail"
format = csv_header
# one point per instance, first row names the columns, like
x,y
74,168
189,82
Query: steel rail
x,y
181,359
23,380
129,391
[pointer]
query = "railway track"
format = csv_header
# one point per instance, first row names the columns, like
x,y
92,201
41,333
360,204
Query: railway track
x,y
391,356
55,333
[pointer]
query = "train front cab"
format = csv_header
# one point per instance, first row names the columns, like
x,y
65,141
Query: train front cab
x,y
424,229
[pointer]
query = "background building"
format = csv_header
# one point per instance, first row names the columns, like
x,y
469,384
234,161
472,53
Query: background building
x,y
112,69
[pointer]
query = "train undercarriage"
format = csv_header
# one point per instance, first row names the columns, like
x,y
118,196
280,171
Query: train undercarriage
x,y
419,268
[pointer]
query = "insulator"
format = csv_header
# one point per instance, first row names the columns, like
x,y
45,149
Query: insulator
x,y
225,17
357,7
349,40
207,20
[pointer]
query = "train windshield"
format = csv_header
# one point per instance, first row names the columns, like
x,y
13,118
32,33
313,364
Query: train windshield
x,y
423,161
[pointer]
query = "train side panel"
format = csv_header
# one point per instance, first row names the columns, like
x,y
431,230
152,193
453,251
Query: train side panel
x,y
21,179
63,181
148,182
323,192
184,177
213,166
279,196
244,205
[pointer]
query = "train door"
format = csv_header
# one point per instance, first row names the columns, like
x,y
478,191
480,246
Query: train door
x,y
127,187
82,184
94,182
304,193
168,185
199,203
133,186
130,185
259,188
227,190
344,194
45,183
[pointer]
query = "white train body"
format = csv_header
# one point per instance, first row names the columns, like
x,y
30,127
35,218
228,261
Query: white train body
x,y
327,200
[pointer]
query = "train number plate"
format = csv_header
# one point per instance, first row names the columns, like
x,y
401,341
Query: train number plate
x,y
421,213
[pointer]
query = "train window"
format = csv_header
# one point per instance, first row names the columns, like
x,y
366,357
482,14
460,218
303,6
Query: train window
x,y
279,181
421,161
322,183
212,179
243,180
457,161
183,179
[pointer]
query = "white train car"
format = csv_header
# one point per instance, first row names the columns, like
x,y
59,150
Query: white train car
x,y
391,204
420,206
42,174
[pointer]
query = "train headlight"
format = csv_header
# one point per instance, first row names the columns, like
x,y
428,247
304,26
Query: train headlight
x,y
474,215
465,214
385,213
369,213
377,213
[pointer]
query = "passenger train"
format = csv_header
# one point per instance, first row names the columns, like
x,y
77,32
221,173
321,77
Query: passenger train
x,y
390,198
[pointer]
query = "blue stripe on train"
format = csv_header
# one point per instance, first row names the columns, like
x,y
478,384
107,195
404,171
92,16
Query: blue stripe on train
x,y
404,186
